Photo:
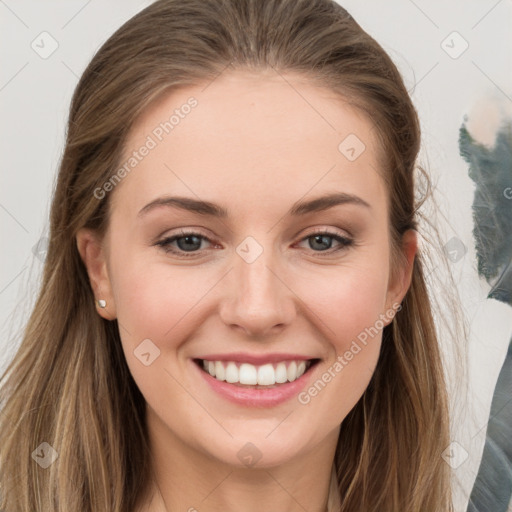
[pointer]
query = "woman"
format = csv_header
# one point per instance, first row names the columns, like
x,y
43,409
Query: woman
x,y
233,314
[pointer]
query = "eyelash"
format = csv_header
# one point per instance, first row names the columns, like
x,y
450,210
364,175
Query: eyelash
x,y
165,243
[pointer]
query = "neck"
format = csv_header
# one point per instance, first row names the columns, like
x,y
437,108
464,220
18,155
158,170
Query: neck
x,y
187,479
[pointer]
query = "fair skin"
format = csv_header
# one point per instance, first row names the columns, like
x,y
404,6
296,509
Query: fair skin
x,y
254,146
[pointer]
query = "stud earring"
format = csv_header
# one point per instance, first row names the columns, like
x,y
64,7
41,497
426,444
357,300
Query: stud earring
x,y
102,303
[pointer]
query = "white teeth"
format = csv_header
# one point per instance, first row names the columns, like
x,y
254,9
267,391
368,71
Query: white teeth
x,y
266,375
292,371
231,373
281,374
249,374
220,373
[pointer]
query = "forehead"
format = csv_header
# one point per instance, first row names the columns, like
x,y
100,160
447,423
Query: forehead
x,y
246,133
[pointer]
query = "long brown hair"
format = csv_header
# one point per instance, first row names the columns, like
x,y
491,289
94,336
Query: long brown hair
x,y
69,384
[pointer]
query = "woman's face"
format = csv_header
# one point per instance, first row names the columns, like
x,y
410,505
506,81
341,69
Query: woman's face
x,y
281,279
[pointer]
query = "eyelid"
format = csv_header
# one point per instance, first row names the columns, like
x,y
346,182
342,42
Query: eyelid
x,y
346,239
165,242
328,231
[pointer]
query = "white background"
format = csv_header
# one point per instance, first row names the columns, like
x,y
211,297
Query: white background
x,y
34,99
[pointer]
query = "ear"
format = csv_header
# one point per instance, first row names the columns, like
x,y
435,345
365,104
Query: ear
x,y
400,280
93,254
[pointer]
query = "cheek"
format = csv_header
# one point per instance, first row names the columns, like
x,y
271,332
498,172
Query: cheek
x,y
152,302
354,337
349,308
162,305
345,301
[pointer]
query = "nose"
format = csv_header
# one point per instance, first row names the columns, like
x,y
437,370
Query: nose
x,y
259,300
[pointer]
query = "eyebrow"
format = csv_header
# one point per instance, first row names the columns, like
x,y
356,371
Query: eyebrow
x,y
211,209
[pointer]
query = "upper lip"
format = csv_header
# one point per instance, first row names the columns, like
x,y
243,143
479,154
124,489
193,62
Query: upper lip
x,y
255,359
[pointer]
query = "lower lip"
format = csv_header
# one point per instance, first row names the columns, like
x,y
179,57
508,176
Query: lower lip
x,y
256,397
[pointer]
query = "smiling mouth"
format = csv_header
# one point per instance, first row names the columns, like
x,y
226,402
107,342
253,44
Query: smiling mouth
x,y
266,376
